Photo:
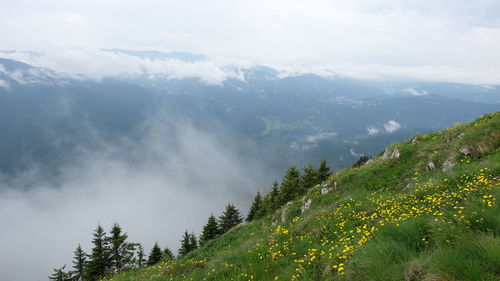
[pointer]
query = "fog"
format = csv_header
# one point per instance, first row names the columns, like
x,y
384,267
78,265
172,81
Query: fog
x,y
167,181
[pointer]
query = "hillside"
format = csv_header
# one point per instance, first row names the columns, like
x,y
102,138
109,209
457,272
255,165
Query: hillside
x,y
424,210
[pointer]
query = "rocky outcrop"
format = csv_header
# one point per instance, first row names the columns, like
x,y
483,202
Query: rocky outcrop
x,y
430,166
391,154
306,206
465,151
447,165
325,190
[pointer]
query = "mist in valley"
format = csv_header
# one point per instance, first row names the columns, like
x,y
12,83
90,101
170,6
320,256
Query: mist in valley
x,y
156,186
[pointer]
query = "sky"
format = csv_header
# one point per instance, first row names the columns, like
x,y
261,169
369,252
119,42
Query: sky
x,y
444,40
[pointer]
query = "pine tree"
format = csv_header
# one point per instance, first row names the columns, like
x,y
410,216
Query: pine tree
x,y
140,256
230,217
167,254
324,171
274,196
155,255
122,252
270,203
255,208
193,242
99,260
60,275
362,160
210,230
310,178
79,260
291,185
185,244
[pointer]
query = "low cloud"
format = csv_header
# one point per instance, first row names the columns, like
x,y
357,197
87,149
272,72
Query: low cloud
x,y
174,171
98,64
4,84
414,92
372,130
319,137
392,126
353,153
312,141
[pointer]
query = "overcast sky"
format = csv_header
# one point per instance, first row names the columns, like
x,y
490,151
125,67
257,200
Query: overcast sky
x,y
451,39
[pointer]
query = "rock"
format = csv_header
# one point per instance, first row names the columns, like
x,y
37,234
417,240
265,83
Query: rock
x,y
273,222
482,148
335,185
283,214
461,135
325,190
395,153
447,165
431,166
289,203
465,151
414,140
386,154
369,161
306,205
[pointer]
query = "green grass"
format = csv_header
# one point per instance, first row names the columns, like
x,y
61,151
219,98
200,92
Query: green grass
x,y
273,124
391,219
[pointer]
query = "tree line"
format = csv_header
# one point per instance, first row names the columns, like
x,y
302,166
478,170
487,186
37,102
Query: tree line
x,y
113,253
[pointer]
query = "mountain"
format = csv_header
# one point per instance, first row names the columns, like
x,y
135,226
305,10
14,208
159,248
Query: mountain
x,y
424,210
47,116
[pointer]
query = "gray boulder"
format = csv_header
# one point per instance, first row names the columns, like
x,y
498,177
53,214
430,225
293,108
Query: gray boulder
x,y
325,190
306,205
431,166
447,165
465,151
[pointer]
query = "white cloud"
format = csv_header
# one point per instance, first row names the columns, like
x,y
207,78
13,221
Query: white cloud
x,y
146,185
392,126
97,64
319,137
353,153
4,84
445,40
414,92
373,130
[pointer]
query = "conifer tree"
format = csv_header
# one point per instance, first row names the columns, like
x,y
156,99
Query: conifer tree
x,y
60,275
274,196
122,252
140,256
255,208
99,259
187,243
310,178
167,254
193,242
79,260
210,230
291,185
270,203
155,255
324,171
362,160
230,217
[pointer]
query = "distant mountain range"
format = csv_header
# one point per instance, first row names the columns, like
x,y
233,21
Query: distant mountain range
x,y
46,115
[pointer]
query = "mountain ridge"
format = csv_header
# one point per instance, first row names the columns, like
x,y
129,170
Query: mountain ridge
x,y
425,209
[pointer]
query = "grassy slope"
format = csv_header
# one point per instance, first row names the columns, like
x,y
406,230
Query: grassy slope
x,y
391,219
